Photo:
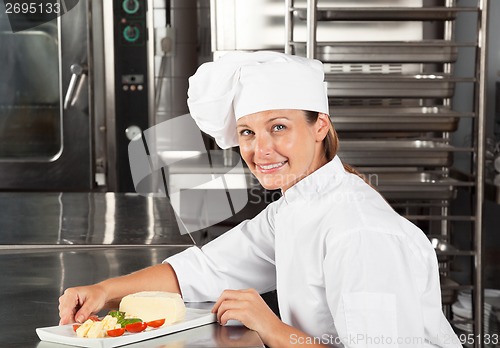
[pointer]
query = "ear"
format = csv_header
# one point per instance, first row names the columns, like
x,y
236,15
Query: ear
x,y
322,126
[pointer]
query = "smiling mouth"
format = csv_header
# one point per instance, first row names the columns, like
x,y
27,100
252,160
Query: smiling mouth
x,y
271,166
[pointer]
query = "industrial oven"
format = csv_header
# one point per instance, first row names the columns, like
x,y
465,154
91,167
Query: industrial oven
x,y
73,91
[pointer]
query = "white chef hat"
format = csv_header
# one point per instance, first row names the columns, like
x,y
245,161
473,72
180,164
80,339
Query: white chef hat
x,y
243,83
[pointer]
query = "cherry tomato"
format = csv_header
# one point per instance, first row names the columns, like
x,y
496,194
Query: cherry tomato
x,y
75,327
116,332
136,327
94,318
156,323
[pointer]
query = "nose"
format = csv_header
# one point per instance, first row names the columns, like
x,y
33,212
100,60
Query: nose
x,y
263,144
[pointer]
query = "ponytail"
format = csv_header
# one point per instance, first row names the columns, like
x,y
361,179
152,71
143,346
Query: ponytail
x,y
331,143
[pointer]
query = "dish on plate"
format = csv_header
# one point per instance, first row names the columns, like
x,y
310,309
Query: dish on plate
x,y
65,335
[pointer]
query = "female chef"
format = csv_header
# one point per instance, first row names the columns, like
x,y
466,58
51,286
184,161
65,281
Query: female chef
x,y
347,268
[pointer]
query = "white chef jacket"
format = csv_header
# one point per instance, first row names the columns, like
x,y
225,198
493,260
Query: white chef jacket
x,y
347,268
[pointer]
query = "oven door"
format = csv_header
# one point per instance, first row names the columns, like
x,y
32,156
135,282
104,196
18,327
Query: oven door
x,y
45,114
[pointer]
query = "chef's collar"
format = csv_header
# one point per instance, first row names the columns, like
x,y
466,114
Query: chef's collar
x,y
317,183
243,83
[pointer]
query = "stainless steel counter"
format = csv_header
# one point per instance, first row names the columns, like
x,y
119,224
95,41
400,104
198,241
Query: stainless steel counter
x,y
53,241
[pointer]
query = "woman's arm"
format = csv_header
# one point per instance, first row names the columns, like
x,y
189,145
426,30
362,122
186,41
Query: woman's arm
x,y
155,278
241,258
248,307
78,303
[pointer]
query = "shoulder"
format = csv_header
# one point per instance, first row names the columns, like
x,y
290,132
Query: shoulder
x,y
356,213
352,204
381,242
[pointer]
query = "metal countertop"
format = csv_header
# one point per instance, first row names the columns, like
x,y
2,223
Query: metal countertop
x,y
50,241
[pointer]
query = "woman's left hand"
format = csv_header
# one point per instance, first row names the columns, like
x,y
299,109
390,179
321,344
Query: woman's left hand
x,y
248,307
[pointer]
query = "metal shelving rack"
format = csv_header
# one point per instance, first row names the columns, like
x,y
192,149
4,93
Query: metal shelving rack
x,y
405,118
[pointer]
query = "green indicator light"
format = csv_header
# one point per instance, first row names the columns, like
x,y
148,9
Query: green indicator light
x,y
131,33
130,6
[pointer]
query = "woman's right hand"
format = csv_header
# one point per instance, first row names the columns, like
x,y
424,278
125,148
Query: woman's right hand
x,y
77,304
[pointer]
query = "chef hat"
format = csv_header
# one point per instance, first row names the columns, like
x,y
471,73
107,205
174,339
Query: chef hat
x,y
243,83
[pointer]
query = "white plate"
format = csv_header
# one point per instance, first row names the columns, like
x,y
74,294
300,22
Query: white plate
x,y
464,327
465,301
491,293
65,334
460,310
491,299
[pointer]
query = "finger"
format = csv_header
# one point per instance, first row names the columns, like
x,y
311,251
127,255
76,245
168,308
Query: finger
x,y
79,302
85,311
66,319
233,314
66,316
226,295
228,305
235,294
68,304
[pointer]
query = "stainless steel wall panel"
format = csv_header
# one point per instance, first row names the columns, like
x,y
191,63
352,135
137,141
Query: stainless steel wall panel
x,y
180,62
185,24
177,4
179,96
160,17
259,24
186,59
167,68
164,106
86,219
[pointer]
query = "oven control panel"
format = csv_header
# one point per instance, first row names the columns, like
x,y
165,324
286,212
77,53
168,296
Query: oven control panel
x,y
131,80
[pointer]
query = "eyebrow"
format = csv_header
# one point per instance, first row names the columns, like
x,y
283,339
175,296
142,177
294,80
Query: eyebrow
x,y
277,118
268,121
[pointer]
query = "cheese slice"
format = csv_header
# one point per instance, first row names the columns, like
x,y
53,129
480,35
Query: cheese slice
x,y
154,305
84,328
96,330
110,323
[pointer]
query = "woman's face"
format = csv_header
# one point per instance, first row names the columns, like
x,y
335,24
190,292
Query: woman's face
x,y
280,147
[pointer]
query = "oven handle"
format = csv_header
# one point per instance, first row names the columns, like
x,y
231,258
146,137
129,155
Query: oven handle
x,y
75,85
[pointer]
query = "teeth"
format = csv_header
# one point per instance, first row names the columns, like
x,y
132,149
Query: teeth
x,y
271,166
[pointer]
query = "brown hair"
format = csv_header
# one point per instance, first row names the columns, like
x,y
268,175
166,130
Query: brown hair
x,y
331,142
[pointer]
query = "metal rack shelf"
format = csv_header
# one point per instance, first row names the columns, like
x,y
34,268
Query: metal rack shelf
x,y
384,13
375,94
421,153
397,119
429,51
428,186
392,85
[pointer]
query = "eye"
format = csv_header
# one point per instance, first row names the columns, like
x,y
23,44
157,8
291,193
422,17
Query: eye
x,y
279,127
245,132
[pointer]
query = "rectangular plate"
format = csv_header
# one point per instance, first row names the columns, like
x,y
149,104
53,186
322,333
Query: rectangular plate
x,y
64,334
